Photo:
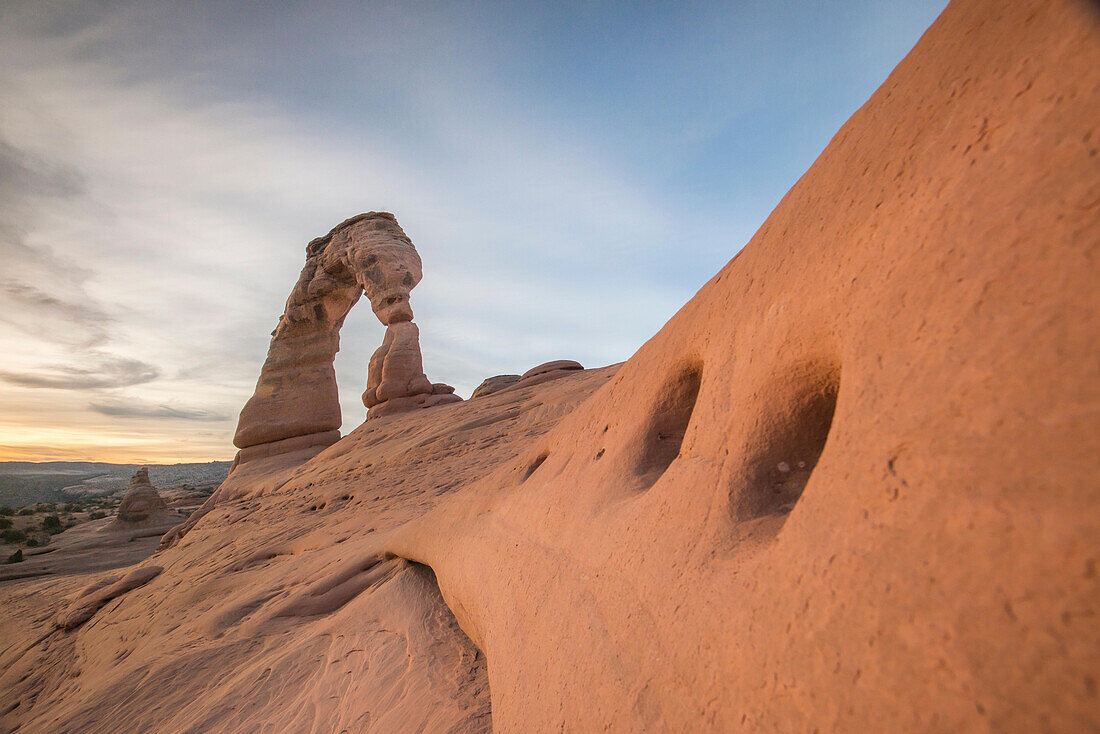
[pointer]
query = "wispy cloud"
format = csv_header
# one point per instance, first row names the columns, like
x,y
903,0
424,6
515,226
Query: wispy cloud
x,y
106,372
74,321
23,174
137,409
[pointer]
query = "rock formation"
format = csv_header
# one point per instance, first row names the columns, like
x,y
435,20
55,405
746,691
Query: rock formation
x,y
296,404
395,380
534,376
563,365
849,486
141,504
494,384
548,371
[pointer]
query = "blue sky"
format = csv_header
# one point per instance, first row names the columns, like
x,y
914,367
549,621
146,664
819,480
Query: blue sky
x,y
571,174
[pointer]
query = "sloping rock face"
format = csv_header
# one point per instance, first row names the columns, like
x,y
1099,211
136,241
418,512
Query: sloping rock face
x,y
141,504
848,487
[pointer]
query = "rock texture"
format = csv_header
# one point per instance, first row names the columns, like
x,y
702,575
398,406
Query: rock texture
x,y
548,371
848,487
395,378
93,598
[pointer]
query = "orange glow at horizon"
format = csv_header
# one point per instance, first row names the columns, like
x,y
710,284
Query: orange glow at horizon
x,y
50,444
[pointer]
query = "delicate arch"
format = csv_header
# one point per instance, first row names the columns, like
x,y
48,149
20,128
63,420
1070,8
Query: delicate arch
x,y
296,397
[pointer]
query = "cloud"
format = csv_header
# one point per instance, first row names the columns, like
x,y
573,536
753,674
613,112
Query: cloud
x,y
42,294
78,322
131,408
25,174
109,372
28,183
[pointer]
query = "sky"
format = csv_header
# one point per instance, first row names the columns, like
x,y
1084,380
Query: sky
x,y
570,173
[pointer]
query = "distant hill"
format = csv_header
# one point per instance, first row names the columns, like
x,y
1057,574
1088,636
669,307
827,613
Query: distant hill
x,y
26,482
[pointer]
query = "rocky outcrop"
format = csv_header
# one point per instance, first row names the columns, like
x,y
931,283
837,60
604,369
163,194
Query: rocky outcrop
x,y
142,504
494,384
548,371
396,380
565,365
96,596
534,376
396,368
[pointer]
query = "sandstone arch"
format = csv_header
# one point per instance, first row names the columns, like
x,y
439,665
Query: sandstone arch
x,y
296,403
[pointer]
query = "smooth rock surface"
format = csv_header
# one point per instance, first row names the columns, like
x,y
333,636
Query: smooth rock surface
x,y
414,402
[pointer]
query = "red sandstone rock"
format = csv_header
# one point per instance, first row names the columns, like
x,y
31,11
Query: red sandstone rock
x,y
413,402
396,368
558,364
296,394
142,505
848,487
494,384
288,445
99,594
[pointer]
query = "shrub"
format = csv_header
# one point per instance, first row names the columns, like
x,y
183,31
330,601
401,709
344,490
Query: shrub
x,y
5,510
5,523
32,542
12,536
26,511
51,523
